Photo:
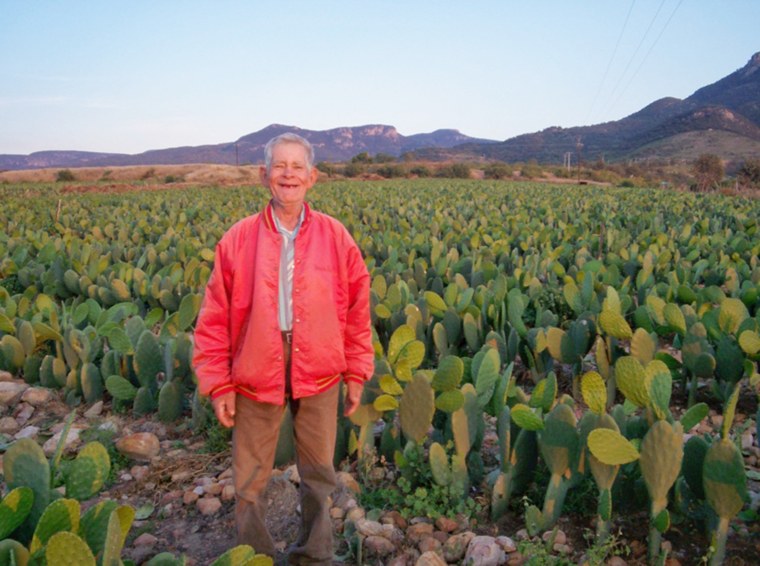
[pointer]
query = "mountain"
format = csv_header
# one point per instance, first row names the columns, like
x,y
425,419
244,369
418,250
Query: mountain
x,y
338,144
721,118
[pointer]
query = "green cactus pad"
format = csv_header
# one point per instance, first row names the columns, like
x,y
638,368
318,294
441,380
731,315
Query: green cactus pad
x,y
602,357
88,472
694,452
558,440
729,412
60,515
390,385
694,416
749,341
724,478
14,508
439,464
416,408
93,525
144,402
384,403
237,556
148,361
630,378
487,376
662,521
170,401
91,382
449,373
594,391
25,465
614,324
67,549
610,447
545,393
642,346
604,507
660,460
533,520
731,314
119,523
674,318
525,418
120,388
119,341
449,401
13,352
165,559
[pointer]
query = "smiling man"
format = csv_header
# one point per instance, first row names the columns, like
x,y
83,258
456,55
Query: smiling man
x,y
284,320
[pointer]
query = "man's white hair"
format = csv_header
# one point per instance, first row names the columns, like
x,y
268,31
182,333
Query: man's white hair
x,y
288,137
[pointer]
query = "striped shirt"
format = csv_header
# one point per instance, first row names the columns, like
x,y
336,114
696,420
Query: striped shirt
x,y
287,261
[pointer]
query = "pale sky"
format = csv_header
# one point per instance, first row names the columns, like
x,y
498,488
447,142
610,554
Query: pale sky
x,y
129,76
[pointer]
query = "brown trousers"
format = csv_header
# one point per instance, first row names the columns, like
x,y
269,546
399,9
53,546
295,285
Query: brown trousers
x,y
254,442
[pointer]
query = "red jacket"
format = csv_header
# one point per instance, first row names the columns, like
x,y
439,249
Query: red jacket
x,y
238,344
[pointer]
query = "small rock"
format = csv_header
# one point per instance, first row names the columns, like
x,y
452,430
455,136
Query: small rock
x,y
378,546
355,514
145,539
337,513
226,474
484,551
37,396
94,411
181,476
171,496
291,472
11,391
440,536
748,440
562,548
212,489
430,558
717,421
455,547
417,532
368,528
27,432
8,425
394,518
506,543
141,446
139,472
198,489
5,376
228,492
209,505
23,412
126,477
429,544
638,549
616,561
559,538
72,441
348,481
671,561
190,497
446,525
516,559
522,534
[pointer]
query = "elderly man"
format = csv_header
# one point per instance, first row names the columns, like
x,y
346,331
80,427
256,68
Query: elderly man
x,y
284,319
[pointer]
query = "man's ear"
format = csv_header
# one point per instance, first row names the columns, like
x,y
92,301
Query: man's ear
x,y
263,175
314,174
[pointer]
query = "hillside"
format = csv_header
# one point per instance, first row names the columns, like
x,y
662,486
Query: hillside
x,y
338,144
725,113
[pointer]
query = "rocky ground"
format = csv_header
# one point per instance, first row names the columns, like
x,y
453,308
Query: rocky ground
x,y
184,501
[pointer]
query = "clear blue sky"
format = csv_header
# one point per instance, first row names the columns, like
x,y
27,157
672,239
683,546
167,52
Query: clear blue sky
x,y
129,76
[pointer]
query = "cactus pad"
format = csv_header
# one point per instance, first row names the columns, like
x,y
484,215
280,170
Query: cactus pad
x,y
14,508
416,408
594,391
60,515
67,549
610,447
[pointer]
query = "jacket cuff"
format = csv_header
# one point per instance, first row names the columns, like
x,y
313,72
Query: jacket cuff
x,y
352,377
221,390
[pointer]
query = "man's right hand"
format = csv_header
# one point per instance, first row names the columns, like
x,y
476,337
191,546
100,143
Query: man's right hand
x,y
224,407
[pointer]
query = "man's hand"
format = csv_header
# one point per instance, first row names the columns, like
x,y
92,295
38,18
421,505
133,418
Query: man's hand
x,y
353,397
224,407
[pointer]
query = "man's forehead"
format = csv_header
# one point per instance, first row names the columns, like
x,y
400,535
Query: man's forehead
x,y
286,151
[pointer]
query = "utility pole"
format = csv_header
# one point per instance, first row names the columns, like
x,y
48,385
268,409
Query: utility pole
x,y
568,157
237,161
579,147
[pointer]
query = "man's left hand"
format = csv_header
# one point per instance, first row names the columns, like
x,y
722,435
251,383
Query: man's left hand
x,y
353,397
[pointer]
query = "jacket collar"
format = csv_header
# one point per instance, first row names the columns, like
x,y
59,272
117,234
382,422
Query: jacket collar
x,y
269,216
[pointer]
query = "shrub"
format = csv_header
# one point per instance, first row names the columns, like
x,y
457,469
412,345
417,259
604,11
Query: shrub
x,y
64,176
498,171
391,171
420,171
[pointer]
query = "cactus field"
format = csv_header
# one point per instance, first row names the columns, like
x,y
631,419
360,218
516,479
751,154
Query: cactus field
x,y
545,356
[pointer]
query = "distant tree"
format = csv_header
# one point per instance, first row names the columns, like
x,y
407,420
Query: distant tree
x,y
384,158
353,169
326,168
497,171
391,171
65,176
362,157
454,171
420,171
749,173
531,170
708,171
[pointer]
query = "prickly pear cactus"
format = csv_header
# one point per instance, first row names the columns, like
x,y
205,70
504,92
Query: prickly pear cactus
x,y
416,408
67,549
559,444
60,515
148,361
439,464
14,508
170,401
25,464
13,552
87,473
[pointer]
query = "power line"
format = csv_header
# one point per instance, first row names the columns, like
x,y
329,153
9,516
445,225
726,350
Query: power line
x,y
636,72
609,63
643,38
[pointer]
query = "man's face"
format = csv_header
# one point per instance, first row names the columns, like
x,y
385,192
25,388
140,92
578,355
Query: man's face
x,y
289,177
